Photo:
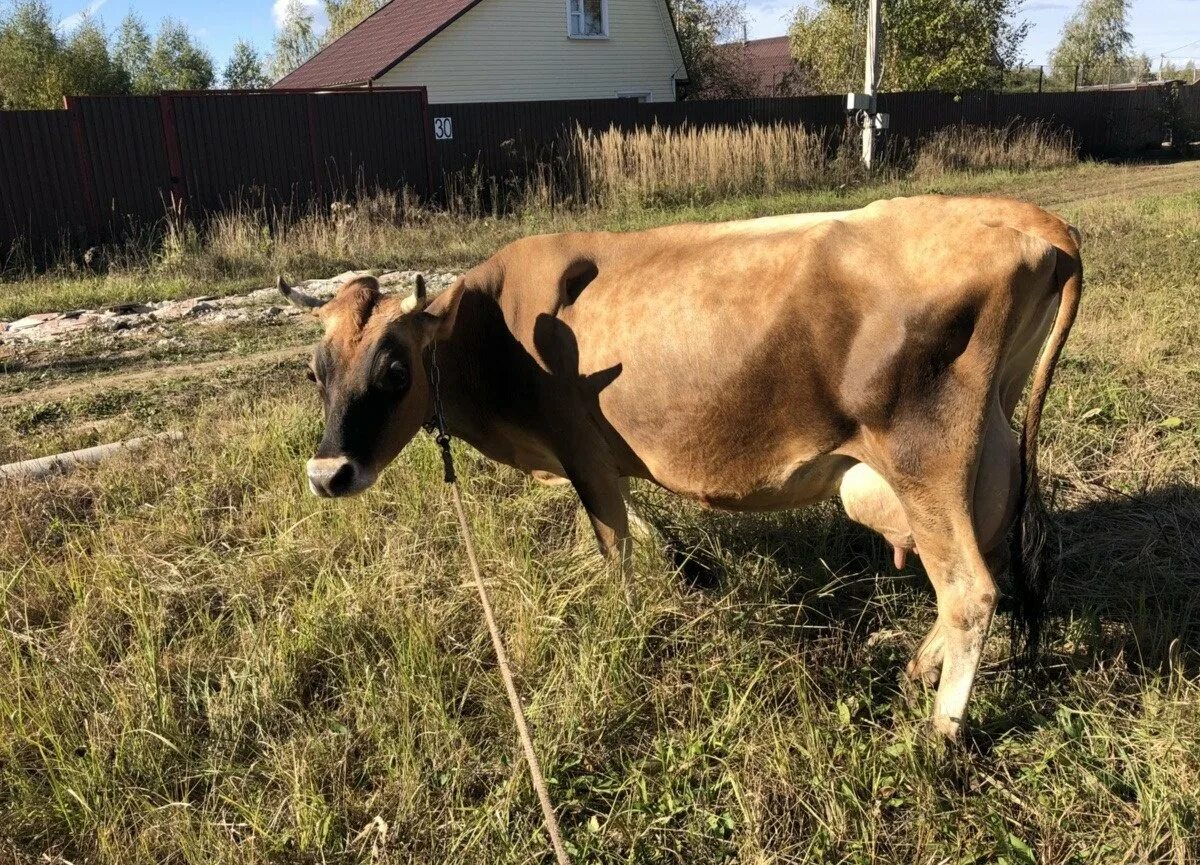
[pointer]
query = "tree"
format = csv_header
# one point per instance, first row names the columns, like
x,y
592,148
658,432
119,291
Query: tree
x,y
244,71
172,60
1095,40
344,15
177,62
132,52
716,65
826,42
296,40
928,44
89,69
30,58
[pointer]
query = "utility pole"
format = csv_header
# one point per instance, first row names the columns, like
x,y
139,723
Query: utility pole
x,y
869,80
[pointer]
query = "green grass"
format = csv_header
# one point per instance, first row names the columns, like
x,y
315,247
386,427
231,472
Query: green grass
x,y
205,664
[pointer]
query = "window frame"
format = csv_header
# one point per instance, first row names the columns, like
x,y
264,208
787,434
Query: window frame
x,y
585,36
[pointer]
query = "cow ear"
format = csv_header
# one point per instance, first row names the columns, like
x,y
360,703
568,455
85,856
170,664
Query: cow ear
x,y
418,300
436,321
297,297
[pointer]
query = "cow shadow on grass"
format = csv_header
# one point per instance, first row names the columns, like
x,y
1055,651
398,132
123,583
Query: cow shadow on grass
x,y
1126,590
1124,559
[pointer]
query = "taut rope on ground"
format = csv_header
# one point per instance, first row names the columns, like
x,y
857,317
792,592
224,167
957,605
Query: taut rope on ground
x,y
514,700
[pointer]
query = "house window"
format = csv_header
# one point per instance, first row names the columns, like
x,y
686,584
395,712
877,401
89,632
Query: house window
x,y
639,95
587,19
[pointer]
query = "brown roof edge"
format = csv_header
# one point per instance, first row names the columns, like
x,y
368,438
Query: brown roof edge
x,y
678,44
324,48
385,70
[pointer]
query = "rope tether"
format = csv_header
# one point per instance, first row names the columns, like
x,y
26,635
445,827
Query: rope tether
x,y
514,701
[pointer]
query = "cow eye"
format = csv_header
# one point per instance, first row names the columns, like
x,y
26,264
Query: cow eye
x,y
309,374
397,375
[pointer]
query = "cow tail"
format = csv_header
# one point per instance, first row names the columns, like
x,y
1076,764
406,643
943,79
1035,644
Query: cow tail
x,y
1031,582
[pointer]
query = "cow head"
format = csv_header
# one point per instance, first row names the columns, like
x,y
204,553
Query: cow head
x,y
371,373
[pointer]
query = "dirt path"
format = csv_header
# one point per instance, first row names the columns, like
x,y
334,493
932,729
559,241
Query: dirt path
x,y
123,380
1137,180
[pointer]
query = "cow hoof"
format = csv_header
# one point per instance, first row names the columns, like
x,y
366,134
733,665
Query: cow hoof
x,y
924,673
947,728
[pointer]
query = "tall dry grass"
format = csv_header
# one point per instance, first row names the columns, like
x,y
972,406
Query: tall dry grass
x,y
660,165
1016,147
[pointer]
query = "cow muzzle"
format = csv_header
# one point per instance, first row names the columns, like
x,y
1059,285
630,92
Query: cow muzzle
x,y
332,477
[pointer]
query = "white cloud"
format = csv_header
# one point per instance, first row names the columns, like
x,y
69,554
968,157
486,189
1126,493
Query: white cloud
x,y
76,18
279,9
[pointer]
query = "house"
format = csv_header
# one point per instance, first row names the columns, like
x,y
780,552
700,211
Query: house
x,y
506,50
770,67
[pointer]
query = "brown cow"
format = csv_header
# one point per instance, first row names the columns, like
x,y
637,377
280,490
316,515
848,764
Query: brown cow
x,y
754,365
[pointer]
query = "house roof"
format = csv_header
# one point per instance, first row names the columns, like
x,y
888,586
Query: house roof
x,y
767,60
378,43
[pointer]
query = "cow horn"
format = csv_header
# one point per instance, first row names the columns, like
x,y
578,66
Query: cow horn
x,y
418,300
297,297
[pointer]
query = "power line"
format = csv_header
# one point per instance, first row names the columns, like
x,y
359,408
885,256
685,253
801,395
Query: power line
x,y
1181,47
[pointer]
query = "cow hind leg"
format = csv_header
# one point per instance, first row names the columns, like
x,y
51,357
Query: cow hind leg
x,y
966,598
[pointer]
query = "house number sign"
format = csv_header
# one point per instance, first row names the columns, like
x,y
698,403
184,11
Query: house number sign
x,y
443,128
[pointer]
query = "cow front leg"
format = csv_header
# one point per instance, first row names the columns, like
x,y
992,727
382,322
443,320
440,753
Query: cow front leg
x,y
601,496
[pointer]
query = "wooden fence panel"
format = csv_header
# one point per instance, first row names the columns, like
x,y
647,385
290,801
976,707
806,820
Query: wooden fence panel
x,y
372,140
123,145
251,147
42,203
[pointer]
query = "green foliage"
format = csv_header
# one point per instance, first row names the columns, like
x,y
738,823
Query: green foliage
x,y
132,50
88,67
171,60
177,62
344,15
951,45
296,40
39,64
1095,40
715,64
827,41
244,71
31,74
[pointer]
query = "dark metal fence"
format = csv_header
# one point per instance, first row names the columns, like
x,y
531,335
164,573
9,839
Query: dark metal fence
x,y
109,166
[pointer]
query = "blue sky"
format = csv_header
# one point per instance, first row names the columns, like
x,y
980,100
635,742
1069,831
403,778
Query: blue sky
x,y
1158,25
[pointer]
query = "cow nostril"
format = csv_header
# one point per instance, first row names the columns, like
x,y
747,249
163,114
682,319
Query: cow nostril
x,y
342,480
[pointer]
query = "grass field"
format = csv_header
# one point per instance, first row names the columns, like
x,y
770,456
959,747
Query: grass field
x,y
204,664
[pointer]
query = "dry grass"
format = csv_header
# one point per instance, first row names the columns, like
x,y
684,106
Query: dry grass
x,y
204,664
689,164
1018,147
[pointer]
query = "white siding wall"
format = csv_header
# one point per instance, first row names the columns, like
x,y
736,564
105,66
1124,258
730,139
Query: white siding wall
x,y
506,50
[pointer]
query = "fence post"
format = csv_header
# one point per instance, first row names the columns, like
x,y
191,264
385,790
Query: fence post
x,y
86,176
179,195
1041,75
